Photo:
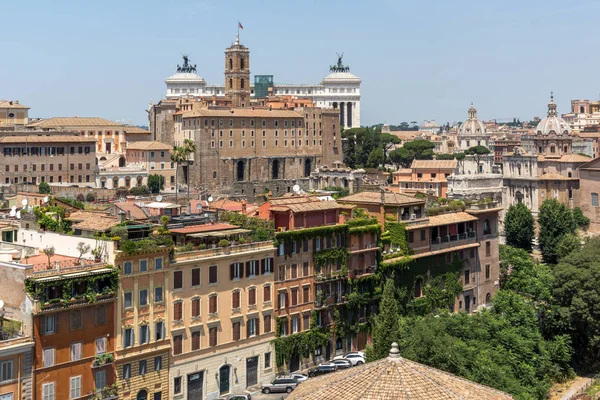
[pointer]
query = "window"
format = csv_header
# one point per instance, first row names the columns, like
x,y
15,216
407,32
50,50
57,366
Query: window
x,y
48,357
177,344
128,337
212,304
101,345
144,334
158,294
195,340
143,265
487,228
142,367
594,199
306,321
127,302
236,270
306,294
76,351
100,315
143,297
267,323
267,360
467,277
196,277
127,267
282,298
212,337
487,271
177,384
178,311
157,363
75,386
422,235
252,267
126,371
159,329
252,296
50,324
305,269
178,280
267,265
295,324
195,308
488,248
252,327
100,378
411,237
158,263
212,274
267,293
235,300
76,322
48,391
294,297
294,271
236,331
6,370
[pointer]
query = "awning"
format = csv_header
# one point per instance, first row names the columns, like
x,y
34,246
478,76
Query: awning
x,y
219,233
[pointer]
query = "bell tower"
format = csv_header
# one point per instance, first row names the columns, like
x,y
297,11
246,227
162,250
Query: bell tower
x,y
237,74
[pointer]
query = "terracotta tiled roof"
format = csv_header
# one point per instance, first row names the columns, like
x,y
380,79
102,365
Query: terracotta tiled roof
x,y
437,164
11,104
566,158
312,206
444,219
134,211
226,204
293,200
203,228
93,221
32,139
136,130
390,199
393,378
242,112
57,122
153,145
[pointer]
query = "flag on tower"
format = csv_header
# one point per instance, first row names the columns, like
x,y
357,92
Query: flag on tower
x,y
240,25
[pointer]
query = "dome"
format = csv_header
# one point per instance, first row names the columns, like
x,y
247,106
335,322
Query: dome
x,y
472,126
341,77
393,378
553,124
185,77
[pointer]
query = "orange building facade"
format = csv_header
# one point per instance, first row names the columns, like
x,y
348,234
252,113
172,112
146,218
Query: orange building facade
x,y
426,176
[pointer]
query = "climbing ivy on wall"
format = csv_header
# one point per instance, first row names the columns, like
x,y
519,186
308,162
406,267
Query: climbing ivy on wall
x,y
310,233
303,343
395,235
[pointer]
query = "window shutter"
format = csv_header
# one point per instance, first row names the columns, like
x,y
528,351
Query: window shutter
x,y
271,263
262,265
267,293
247,329
56,323
252,296
257,326
287,300
247,268
195,305
177,314
267,323
231,267
43,325
241,270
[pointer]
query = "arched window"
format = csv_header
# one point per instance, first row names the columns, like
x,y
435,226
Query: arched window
x,y
570,174
519,197
488,299
115,182
139,180
230,83
122,162
242,83
127,182
418,292
240,170
275,169
307,167
487,228
142,395
242,63
231,63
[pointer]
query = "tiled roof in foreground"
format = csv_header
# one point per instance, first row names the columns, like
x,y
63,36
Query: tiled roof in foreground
x,y
393,378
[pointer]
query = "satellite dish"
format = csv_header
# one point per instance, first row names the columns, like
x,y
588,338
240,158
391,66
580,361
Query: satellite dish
x,y
296,188
199,207
46,199
210,198
13,213
18,215
24,202
159,198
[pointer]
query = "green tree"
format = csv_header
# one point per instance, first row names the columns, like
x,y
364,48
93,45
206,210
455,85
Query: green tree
x,y
156,183
178,156
460,158
555,220
520,273
385,324
519,226
375,158
568,243
388,141
189,148
580,219
478,152
44,188
418,149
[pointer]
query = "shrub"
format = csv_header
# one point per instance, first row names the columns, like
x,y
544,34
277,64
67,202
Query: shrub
x,y
90,197
80,197
223,243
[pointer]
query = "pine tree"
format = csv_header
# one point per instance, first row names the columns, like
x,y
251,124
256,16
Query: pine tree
x,y
385,324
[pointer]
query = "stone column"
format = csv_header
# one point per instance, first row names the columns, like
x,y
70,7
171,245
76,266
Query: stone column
x,y
350,125
342,114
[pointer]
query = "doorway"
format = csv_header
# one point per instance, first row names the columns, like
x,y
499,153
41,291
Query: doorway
x,y
251,371
224,386
194,386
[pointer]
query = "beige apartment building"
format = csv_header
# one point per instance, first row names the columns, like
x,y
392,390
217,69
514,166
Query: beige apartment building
x,y
13,114
155,157
143,348
221,320
62,158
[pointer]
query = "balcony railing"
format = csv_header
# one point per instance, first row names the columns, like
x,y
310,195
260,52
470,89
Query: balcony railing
x,y
222,251
444,242
64,266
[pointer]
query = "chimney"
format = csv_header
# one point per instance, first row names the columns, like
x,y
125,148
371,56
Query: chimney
x,y
16,101
122,216
382,196
244,204
130,199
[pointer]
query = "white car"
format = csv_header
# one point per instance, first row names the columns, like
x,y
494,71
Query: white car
x,y
355,357
299,377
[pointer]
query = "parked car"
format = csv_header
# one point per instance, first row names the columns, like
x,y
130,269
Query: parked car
x,y
342,363
299,377
285,383
355,357
237,397
322,369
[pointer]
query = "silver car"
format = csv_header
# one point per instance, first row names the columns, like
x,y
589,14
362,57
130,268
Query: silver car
x,y
299,377
281,384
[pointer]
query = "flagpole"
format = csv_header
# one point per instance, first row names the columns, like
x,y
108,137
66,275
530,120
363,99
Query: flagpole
x,y
238,34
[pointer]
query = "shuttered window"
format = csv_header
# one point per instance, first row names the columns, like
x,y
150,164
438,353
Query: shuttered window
x,y
236,331
267,323
212,274
195,307
178,280
196,340
76,322
267,293
212,304
252,297
178,311
235,299
177,344
196,277
212,333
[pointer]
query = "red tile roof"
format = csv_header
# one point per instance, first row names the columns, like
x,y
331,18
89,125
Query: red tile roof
x,y
203,228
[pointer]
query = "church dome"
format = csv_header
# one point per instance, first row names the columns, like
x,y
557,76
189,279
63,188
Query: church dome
x,y
553,124
472,126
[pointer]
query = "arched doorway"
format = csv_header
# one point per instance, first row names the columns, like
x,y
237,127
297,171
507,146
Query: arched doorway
x,y
127,182
142,395
519,197
122,162
224,384
275,169
240,171
307,166
488,299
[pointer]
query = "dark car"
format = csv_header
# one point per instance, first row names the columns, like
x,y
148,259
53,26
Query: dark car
x,y
281,384
322,369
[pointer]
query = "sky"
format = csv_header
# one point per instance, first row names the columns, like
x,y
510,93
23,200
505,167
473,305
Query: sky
x,y
418,60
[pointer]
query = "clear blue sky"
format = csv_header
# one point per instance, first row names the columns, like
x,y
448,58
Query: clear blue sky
x,y
417,59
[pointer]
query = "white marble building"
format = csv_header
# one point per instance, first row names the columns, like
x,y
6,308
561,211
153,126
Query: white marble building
x,y
340,89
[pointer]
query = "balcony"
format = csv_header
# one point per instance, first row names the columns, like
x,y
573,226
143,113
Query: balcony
x,y
358,248
448,241
335,298
359,273
222,251
107,393
102,360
